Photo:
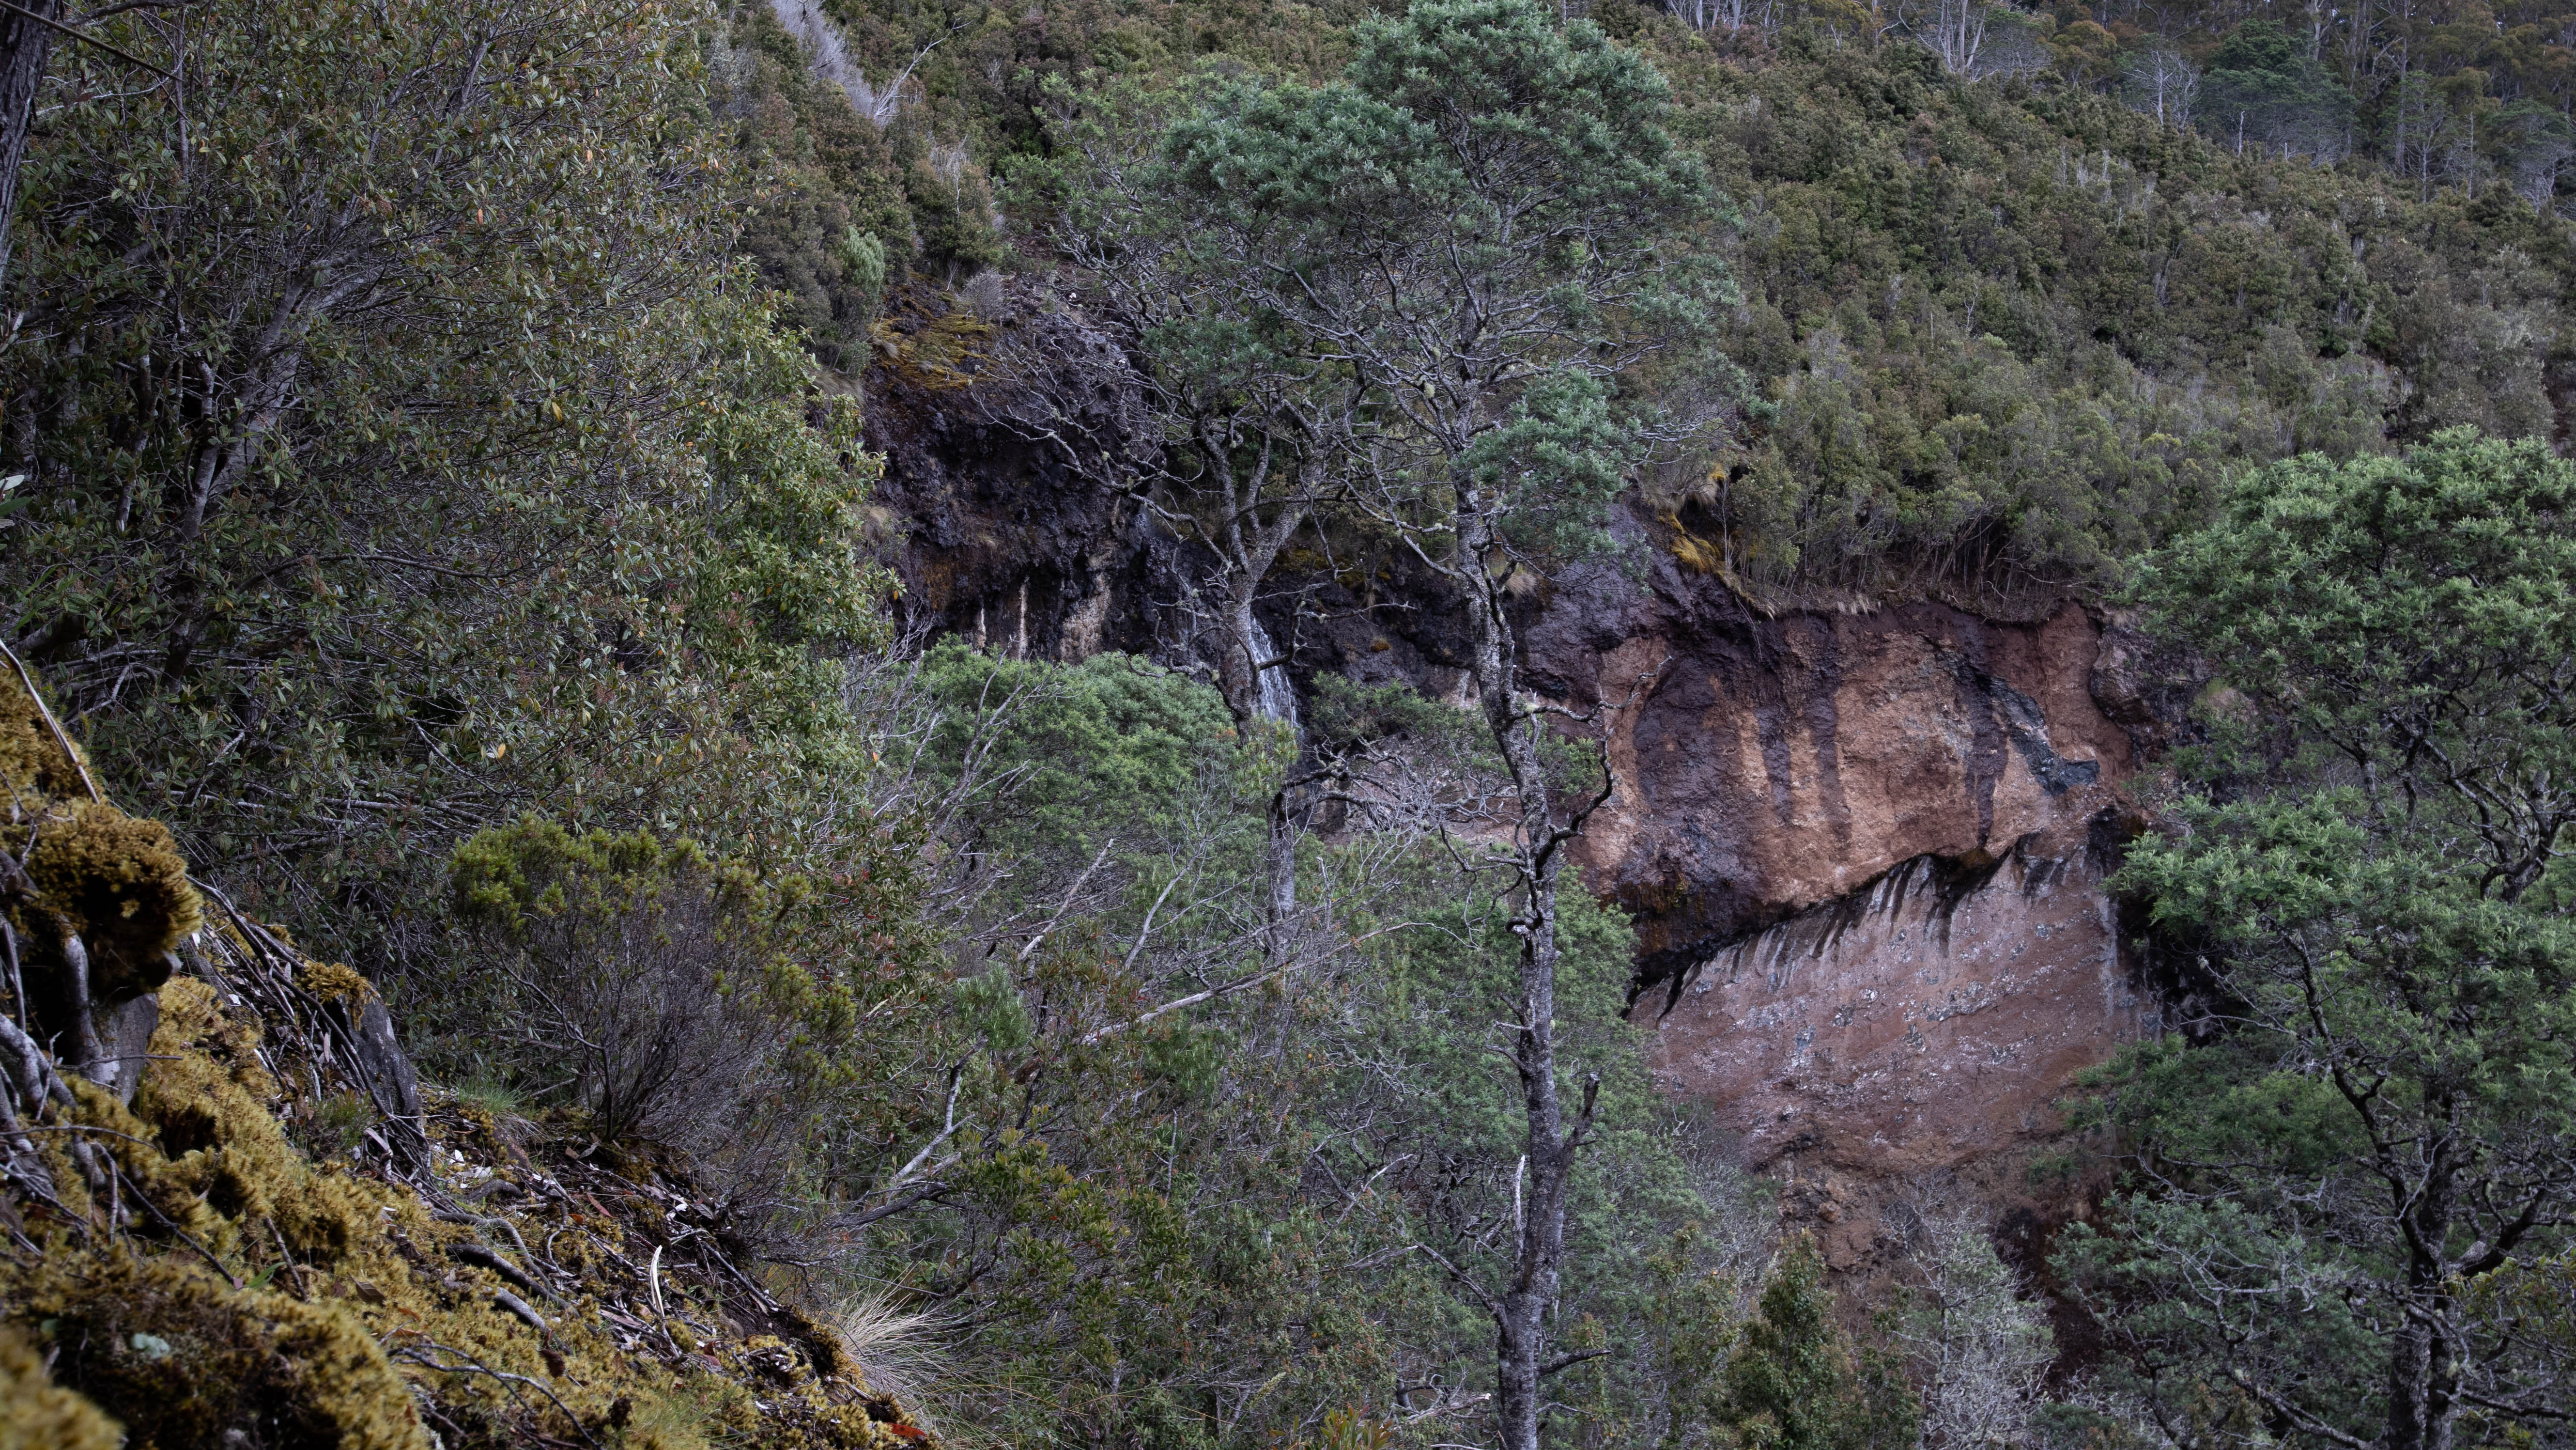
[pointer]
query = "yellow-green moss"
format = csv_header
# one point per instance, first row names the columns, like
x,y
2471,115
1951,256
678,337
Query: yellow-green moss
x,y
336,1290
333,982
221,1149
33,766
41,1415
180,1356
332,1308
121,883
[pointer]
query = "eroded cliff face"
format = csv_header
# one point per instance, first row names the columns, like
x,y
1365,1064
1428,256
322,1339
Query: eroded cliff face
x,y
1917,1025
1865,851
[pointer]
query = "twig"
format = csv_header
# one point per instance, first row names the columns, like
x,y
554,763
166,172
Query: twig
x,y
83,35
301,1291
1067,903
956,1076
26,680
184,1236
1103,1033
482,1257
477,1366
521,1308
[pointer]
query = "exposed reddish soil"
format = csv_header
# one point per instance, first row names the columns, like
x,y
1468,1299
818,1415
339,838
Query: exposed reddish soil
x,y
1866,853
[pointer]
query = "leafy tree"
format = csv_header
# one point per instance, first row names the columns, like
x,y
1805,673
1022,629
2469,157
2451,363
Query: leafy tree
x,y
402,449
1795,1380
2261,89
2375,848
1258,426
1486,223
1174,1194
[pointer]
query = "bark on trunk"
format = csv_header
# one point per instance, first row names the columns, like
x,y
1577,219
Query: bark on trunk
x,y
1539,1253
25,45
2423,1405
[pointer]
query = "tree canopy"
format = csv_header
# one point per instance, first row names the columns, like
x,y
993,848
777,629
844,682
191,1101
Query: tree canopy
x,y
2373,848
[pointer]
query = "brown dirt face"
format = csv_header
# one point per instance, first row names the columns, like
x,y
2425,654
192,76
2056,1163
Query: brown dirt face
x,y
1866,853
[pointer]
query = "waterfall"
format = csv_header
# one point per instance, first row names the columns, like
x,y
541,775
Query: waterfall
x,y
1278,699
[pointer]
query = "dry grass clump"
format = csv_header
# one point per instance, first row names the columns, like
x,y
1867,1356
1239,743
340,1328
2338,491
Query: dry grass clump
x,y
893,1351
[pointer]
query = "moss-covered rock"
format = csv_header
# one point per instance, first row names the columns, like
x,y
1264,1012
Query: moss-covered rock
x,y
334,982
347,1312
182,1357
122,885
223,1155
34,766
41,1415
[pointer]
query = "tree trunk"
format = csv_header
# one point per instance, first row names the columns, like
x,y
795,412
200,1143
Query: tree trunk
x,y
25,44
2423,1404
1539,1254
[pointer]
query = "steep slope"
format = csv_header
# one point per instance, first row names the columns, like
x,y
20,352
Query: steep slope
x,y
235,1221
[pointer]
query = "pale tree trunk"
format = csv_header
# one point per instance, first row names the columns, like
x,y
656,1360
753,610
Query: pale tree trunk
x,y
1248,701
1539,1251
1244,677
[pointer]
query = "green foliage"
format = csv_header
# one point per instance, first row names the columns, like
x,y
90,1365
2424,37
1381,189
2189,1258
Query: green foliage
x,y
2394,604
698,1006
496,492
829,184
2015,334
1691,1318
2371,846
2007,333
1536,165
2263,89
1112,748
1147,1220
1796,1381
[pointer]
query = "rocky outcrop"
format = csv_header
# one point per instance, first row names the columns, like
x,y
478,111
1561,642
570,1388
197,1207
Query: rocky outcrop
x,y
990,422
1864,850
1866,853
1768,764
1924,1022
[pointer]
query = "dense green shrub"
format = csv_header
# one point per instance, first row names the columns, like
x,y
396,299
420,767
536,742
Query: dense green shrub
x,y
497,488
2372,848
1796,1380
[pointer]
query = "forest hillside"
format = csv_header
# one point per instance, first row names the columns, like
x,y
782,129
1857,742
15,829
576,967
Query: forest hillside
x,y
1766,724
